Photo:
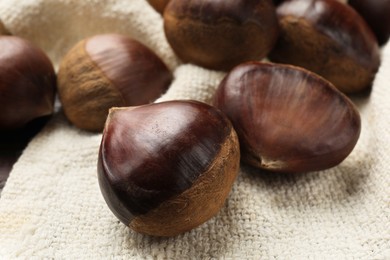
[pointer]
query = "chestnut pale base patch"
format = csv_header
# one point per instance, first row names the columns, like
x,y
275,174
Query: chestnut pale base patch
x,y
199,203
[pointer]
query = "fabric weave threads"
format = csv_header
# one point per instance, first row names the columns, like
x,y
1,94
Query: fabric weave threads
x,y
51,206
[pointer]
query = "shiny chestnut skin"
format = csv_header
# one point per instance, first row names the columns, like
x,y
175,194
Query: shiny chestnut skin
x,y
27,83
219,35
377,14
107,71
330,39
165,168
159,5
287,118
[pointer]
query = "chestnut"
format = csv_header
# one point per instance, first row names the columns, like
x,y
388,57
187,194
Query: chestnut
x,y
159,5
105,71
27,83
377,14
219,35
330,39
287,118
165,168
277,2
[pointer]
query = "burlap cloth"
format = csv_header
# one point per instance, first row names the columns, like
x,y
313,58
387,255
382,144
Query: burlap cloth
x,y
52,207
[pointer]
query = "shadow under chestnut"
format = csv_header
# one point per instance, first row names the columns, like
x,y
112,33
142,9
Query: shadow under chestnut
x,y
12,145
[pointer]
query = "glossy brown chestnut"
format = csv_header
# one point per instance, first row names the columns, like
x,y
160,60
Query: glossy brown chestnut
x,y
287,118
377,15
107,71
330,39
166,168
220,34
158,5
27,83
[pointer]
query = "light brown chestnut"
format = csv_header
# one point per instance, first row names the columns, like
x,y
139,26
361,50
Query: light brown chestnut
x,y
107,71
27,83
220,34
330,39
287,118
159,5
165,168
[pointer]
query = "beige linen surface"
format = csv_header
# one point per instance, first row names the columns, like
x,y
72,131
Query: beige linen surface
x,y
51,206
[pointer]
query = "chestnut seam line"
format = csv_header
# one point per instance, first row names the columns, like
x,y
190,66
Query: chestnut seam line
x,y
102,73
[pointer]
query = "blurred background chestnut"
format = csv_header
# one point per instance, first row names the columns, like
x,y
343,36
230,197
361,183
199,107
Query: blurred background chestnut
x,y
158,5
219,35
377,15
107,71
330,39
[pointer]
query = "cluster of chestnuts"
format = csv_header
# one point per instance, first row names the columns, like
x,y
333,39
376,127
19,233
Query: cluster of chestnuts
x,y
165,168
153,159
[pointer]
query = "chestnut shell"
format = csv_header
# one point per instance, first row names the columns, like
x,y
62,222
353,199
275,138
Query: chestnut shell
x,y
27,83
107,71
220,34
165,168
287,118
330,39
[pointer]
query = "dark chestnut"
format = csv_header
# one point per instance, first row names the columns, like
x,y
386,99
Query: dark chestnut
x,y
165,168
287,118
220,34
377,15
27,83
107,71
159,5
330,39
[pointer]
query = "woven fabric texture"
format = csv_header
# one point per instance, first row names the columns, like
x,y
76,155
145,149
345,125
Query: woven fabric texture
x,y
51,206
